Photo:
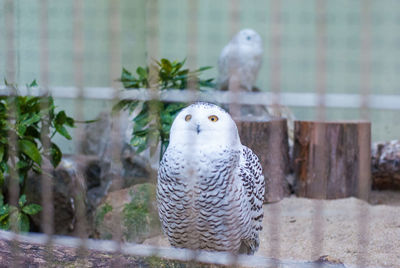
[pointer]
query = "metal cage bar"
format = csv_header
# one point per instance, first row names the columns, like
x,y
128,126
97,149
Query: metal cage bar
x,y
321,100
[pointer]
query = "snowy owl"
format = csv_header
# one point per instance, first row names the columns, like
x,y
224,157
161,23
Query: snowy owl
x,y
210,187
242,57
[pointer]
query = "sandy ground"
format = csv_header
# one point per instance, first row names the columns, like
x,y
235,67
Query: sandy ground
x,y
348,230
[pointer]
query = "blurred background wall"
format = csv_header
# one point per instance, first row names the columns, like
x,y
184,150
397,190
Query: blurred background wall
x,y
343,29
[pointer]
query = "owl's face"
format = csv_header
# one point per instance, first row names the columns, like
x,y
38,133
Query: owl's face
x,y
248,37
204,124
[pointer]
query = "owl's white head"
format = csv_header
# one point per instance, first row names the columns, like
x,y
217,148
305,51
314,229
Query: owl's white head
x,y
248,37
204,124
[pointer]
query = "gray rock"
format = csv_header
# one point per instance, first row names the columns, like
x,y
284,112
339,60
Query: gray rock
x,y
386,165
70,181
108,138
128,214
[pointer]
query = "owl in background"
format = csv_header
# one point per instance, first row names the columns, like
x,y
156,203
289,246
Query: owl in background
x,y
241,57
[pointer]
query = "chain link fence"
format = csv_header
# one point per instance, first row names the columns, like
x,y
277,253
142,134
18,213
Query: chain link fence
x,y
322,61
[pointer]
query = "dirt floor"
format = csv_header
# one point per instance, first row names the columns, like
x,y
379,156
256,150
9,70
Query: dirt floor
x,y
348,230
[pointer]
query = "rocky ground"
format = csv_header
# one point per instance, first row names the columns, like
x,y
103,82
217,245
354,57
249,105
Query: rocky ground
x,y
340,233
33,255
349,231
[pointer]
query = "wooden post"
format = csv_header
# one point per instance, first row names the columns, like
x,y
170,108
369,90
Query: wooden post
x,y
269,141
332,159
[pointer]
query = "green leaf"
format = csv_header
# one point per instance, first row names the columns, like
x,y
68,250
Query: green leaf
x,y
32,132
165,130
63,131
131,84
175,107
71,122
32,209
176,66
33,102
166,65
122,104
180,62
55,154
4,211
126,75
36,169
140,125
207,83
141,72
201,69
143,115
33,84
21,129
182,74
166,118
21,164
3,140
23,222
1,152
141,148
128,80
61,118
4,167
22,200
141,132
132,106
1,184
4,216
29,148
5,224
138,141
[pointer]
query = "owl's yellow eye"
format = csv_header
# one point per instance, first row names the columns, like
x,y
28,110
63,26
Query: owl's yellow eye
x,y
188,117
213,118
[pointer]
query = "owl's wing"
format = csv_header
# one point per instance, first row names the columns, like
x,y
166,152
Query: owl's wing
x,y
167,172
253,181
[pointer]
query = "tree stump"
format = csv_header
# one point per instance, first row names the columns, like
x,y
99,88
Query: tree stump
x,y
332,159
269,141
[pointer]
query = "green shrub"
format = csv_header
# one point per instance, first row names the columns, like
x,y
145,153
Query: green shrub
x,y
27,119
153,122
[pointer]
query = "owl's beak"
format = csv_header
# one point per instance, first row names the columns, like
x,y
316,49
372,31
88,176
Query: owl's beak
x,y
198,128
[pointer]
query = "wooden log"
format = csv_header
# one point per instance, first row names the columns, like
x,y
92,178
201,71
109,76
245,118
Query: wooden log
x,y
332,159
269,141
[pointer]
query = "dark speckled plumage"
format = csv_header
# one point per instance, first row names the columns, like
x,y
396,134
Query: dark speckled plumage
x,y
211,198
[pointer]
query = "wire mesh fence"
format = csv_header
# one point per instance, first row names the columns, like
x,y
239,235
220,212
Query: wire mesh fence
x,y
329,65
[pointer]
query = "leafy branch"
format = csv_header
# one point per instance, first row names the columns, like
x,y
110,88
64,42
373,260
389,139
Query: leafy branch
x,y
154,118
29,119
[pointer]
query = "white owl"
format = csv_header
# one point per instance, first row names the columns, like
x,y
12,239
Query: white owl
x,y
210,187
242,57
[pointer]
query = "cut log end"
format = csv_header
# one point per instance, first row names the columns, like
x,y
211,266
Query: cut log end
x,y
332,159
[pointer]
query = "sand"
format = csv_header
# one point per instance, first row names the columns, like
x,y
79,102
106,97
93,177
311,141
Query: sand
x,y
349,230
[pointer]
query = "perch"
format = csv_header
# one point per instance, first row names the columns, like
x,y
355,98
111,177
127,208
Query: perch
x,y
332,159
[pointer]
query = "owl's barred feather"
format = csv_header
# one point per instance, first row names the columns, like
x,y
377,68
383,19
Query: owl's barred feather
x,y
210,187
